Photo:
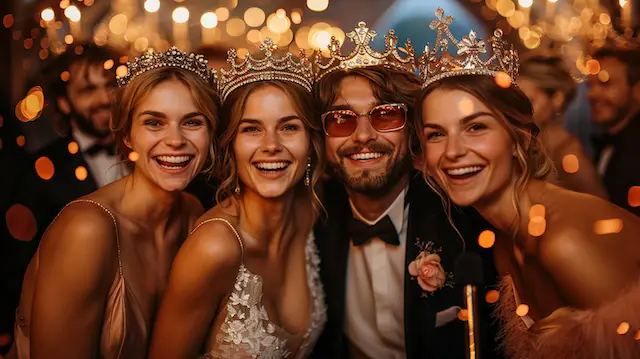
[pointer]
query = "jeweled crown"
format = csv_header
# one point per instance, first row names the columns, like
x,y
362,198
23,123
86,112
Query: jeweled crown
x,y
437,63
288,67
173,57
363,55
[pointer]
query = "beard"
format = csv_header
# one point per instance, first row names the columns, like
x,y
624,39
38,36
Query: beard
x,y
372,182
87,124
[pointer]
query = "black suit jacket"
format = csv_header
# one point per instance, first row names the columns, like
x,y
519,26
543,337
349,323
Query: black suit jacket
x,y
427,222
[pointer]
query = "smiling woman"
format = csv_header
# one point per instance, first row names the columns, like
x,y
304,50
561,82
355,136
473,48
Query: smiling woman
x,y
93,286
246,281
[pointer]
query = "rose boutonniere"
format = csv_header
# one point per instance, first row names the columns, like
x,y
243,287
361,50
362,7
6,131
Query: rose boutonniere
x,y
428,271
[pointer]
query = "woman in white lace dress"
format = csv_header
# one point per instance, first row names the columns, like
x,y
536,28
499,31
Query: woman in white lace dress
x,y
245,284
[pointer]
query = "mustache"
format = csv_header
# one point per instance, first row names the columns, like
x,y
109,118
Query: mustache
x,y
94,110
373,147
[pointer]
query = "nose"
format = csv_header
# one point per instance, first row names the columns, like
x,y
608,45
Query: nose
x,y
103,96
455,148
364,132
271,142
175,138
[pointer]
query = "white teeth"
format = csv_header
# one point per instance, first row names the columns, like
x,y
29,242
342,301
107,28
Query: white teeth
x,y
174,159
366,155
271,165
464,170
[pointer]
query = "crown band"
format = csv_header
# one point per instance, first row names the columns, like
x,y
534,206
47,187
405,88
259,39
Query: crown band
x,y
173,57
437,63
363,55
284,68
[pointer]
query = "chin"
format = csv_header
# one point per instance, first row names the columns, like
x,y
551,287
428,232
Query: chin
x,y
462,199
173,185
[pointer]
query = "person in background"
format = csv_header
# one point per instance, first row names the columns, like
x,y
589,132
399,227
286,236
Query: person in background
x,y
93,287
550,87
614,96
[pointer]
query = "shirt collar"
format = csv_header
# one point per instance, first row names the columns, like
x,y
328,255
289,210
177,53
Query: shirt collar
x,y
84,141
395,212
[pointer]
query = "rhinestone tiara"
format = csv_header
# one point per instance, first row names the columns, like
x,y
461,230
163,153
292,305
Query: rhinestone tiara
x,y
437,63
363,55
173,57
288,67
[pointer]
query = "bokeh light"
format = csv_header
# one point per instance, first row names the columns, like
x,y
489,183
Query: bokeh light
x,y
623,328
486,239
633,196
570,163
81,173
222,13
180,15
133,156
492,296
73,147
72,13
537,226
47,14
503,80
254,17
122,71
522,310
608,226
209,20
317,5
21,223
44,168
152,5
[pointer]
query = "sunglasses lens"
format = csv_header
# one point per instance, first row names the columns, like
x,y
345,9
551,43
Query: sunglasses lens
x,y
386,118
340,123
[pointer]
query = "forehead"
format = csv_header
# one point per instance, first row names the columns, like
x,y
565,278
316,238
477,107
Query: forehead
x,y
169,96
355,91
447,105
613,66
268,102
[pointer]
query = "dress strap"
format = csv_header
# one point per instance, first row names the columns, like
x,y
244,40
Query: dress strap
x,y
115,225
235,231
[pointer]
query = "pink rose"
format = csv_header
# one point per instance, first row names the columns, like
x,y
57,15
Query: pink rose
x,y
429,271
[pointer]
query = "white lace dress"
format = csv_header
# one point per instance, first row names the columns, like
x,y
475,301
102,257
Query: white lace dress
x,y
247,331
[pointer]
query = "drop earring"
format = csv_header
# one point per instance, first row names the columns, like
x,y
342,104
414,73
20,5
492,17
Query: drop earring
x,y
307,175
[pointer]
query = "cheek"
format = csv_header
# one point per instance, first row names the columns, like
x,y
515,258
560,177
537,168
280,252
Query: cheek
x,y
200,140
332,145
433,153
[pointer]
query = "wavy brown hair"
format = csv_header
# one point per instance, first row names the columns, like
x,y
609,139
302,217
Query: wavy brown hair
x,y
232,110
129,97
514,111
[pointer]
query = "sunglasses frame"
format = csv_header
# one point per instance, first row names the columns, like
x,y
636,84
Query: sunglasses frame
x,y
368,114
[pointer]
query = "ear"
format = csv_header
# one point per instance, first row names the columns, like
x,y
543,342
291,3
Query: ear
x,y
64,105
127,143
558,100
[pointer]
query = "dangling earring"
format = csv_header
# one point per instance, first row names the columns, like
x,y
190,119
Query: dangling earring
x,y
237,190
307,175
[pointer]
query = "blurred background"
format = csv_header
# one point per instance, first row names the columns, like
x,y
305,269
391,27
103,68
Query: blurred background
x,y
34,32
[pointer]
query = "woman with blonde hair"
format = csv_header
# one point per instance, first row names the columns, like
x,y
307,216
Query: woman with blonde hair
x,y
93,287
569,260
550,88
246,283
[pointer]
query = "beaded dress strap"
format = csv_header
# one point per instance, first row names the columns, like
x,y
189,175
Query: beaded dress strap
x,y
219,219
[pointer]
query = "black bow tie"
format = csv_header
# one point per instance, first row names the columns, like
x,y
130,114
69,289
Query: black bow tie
x,y
109,148
362,233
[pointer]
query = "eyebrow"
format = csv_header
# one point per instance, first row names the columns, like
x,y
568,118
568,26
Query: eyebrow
x,y
163,115
347,107
257,122
463,120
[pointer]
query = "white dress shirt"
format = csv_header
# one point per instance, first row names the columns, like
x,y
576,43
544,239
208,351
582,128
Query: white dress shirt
x,y
103,167
374,312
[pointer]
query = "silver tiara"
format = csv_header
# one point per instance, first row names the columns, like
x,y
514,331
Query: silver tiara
x,y
173,57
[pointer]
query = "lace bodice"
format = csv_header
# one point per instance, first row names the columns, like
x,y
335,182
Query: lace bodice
x,y
247,331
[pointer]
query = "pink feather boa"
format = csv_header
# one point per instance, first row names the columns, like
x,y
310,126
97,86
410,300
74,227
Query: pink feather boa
x,y
572,333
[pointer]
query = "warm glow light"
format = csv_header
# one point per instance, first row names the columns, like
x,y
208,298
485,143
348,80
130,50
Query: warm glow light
x,y
254,16
108,65
570,163
21,223
64,4
486,239
537,226
235,27
463,315
73,147
253,35
81,173
296,17
492,296
64,76
180,15
623,3
68,39
554,1
281,13
133,156
209,20
522,310
141,44
118,24
317,5
525,3
634,196
72,13
47,14
605,19
503,80
593,66
152,5
623,328
122,71
603,76
278,24
608,226
222,13
44,168
321,39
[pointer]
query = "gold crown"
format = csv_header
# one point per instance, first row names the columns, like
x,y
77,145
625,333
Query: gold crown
x,y
173,57
284,68
504,58
363,55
